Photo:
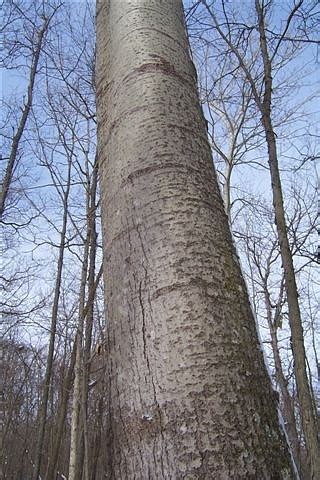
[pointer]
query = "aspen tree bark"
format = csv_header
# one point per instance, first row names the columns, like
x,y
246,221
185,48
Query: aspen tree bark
x,y
189,394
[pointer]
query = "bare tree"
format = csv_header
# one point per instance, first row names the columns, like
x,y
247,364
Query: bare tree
x,y
64,193
34,29
186,394
59,138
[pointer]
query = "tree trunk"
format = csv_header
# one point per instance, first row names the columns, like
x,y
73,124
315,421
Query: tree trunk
x,y
53,327
226,191
79,434
95,452
91,282
189,395
308,414
75,462
286,400
61,417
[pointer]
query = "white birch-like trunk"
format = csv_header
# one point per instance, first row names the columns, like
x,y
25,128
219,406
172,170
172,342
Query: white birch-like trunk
x,y
189,394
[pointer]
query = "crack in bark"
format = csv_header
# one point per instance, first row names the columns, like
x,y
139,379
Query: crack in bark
x,y
160,424
144,253
143,326
123,427
145,353
110,404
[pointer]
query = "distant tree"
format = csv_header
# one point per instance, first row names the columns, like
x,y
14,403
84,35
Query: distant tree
x,y
25,26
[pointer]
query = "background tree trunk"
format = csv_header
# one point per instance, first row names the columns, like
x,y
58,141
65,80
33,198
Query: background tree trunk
x,y
61,417
308,414
189,395
53,327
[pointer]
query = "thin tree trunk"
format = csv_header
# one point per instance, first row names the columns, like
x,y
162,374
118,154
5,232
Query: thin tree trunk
x,y
89,315
54,317
74,462
286,400
189,395
308,415
226,193
79,435
97,439
52,466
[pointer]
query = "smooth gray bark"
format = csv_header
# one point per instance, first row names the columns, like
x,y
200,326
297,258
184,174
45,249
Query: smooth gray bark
x,y
189,395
